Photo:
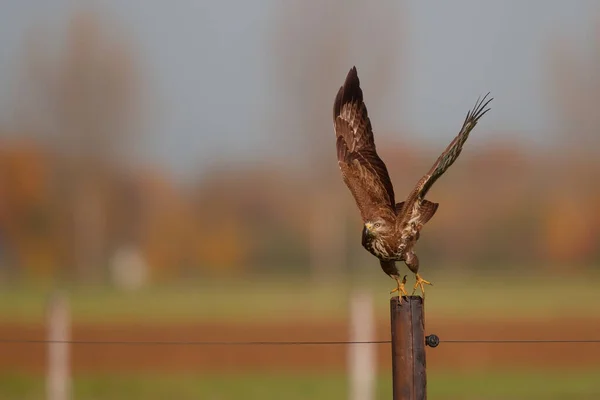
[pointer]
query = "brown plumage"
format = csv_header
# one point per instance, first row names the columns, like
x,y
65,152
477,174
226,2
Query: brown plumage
x,y
390,229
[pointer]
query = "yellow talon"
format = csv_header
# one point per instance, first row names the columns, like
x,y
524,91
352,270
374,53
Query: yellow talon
x,y
421,283
400,288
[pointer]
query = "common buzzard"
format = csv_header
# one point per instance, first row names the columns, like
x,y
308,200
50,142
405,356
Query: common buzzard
x,y
390,229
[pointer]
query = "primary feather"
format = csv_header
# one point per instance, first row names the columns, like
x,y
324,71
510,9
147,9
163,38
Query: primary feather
x,y
363,171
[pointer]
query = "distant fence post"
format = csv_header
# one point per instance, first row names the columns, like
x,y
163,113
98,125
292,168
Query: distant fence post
x,y
408,348
361,357
58,379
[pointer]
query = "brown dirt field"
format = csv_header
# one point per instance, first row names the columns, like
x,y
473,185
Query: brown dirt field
x,y
28,357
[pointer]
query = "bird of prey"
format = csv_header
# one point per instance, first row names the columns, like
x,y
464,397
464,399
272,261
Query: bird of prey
x,y
390,229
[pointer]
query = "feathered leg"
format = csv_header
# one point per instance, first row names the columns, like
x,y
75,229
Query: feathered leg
x,y
412,261
389,267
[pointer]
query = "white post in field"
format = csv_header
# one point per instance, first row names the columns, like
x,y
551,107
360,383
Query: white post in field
x,y
58,379
362,357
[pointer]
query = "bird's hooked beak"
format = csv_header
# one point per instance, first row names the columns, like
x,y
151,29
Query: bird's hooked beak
x,y
369,227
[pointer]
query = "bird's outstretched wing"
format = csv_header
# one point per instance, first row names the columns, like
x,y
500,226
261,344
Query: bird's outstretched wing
x,y
447,158
363,171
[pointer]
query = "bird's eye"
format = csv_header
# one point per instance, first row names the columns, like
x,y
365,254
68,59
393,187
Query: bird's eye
x,y
377,224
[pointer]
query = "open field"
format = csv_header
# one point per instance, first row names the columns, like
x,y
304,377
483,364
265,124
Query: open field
x,y
443,385
263,310
291,299
94,358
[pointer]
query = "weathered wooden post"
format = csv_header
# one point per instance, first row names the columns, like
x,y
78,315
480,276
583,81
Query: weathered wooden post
x,y
408,348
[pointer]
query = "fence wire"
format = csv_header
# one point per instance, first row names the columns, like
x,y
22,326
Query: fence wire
x,y
285,343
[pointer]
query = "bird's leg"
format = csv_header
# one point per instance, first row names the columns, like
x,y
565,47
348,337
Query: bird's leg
x,y
421,283
400,288
412,261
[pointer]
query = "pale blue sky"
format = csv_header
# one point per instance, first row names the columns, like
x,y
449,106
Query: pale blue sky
x,y
207,64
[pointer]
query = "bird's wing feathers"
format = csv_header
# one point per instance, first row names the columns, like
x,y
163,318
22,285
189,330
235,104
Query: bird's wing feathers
x,y
427,210
399,207
447,158
416,204
363,171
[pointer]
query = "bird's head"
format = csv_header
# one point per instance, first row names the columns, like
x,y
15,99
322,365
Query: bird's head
x,y
376,227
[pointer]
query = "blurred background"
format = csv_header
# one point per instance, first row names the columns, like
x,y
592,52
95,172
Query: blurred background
x,y
169,171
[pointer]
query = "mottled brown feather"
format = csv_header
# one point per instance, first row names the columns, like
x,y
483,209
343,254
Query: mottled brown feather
x,y
427,210
447,158
399,207
363,171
